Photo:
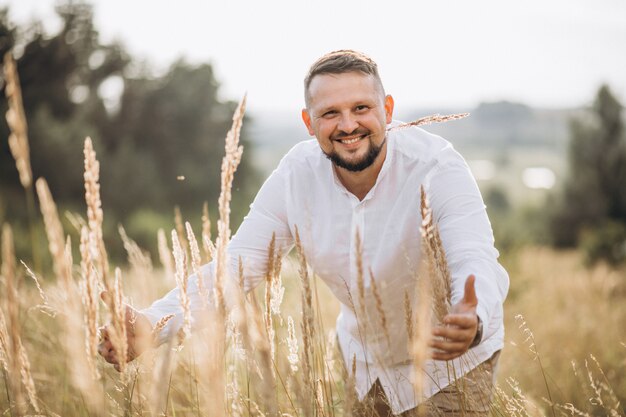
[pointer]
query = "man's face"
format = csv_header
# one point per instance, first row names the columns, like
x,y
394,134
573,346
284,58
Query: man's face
x,y
348,114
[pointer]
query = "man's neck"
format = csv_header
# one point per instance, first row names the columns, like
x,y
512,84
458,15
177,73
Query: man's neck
x,y
360,183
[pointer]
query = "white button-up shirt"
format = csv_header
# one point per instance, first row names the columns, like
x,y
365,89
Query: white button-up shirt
x,y
304,191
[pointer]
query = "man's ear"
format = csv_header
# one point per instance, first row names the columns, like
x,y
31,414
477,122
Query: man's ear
x,y
388,108
306,118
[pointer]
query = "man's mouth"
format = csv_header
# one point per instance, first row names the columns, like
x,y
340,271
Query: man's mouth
x,y
351,140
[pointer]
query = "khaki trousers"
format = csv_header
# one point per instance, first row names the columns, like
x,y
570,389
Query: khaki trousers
x,y
469,396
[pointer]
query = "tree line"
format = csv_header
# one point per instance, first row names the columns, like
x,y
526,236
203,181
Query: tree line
x,y
159,139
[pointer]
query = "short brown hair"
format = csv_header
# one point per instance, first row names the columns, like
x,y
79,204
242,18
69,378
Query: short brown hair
x,y
340,62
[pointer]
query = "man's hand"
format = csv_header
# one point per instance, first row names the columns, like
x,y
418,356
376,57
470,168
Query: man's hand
x,y
138,336
460,326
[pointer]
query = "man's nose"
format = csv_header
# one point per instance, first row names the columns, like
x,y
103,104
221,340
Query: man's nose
x,y
348,123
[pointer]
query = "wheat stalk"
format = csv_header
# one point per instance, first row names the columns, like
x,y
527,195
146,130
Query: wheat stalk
x,y
422,331
379,308
359,272
434,254
181,281
159,326
18,144
230,162
54,231
16,119
18,357
94,212
165,256
435,118
206,233
89,290
5,347
180,229
119,337
269,276
13,351
196,261
308,329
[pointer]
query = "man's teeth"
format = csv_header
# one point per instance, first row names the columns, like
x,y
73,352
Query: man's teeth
x,y
349,141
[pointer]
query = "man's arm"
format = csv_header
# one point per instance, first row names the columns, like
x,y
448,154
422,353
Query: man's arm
x,y
267,216
479,283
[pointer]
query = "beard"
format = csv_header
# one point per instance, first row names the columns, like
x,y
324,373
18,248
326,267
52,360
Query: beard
x,y
359,165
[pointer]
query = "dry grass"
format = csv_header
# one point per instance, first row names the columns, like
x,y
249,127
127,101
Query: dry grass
x,y
251,360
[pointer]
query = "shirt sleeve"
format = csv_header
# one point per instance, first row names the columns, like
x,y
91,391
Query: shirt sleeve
x,y
467,237
267,216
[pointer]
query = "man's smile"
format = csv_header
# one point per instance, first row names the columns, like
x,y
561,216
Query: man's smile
x,y
348,141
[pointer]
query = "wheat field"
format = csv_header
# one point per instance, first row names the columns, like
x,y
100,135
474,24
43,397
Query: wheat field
x,y
271,352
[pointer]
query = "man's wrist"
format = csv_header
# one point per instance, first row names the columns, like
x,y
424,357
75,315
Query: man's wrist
x,y
479,333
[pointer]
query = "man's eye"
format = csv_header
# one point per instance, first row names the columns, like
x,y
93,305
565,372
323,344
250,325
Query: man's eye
x,y
362,108
329,114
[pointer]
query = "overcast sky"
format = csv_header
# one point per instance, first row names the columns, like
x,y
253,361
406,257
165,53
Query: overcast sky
x,y
547,53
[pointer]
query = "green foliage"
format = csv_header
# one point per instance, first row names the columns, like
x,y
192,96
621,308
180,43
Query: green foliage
x,y
148,136
605,242
594,195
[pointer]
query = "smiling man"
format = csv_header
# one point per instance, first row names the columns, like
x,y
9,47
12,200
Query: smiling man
x,y
359,178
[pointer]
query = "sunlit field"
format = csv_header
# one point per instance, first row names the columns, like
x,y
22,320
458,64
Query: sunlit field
x,y
271,352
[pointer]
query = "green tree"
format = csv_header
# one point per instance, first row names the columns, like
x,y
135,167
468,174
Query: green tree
x,y
594,194
148,135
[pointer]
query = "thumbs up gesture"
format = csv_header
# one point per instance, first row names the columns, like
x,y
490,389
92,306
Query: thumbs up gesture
x,y
459,327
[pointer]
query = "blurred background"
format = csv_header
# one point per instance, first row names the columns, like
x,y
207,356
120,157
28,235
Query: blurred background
x,y
154,85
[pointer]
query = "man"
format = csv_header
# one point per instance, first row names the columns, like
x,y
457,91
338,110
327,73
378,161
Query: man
x,y
366,182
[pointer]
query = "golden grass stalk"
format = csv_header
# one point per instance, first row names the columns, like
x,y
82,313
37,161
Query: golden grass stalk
x,y
54,231
319,400
89,292
269,277
165,256
422,331
27,378
159,326
230,162
292,344
239,314
180,229
16,120
119,331
18,143
70,307
308,328
359,274
45,307
18,359
206,233
379,308
435,118
11,303
350,391
94,211
260,343
408,315
435,256
182,281
5,346
196,261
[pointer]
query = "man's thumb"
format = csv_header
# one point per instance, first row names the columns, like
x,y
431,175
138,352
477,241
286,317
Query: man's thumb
x,y
469,296
105,296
